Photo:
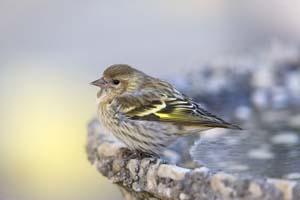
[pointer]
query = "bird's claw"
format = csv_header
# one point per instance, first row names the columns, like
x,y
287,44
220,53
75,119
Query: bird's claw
x,y
134,154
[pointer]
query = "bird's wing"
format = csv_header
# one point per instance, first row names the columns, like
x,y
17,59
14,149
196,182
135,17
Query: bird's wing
x,y
168,106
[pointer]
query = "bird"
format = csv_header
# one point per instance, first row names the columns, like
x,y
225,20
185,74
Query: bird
x,y
148,114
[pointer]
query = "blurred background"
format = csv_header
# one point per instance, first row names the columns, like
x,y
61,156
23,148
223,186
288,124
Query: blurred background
x,y
51,50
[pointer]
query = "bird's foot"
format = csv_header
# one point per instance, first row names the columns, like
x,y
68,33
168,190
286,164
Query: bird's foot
x,y
124,152
127,154
135,154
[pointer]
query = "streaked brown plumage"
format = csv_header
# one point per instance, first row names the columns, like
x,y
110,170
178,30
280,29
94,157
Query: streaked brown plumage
x,y
146,113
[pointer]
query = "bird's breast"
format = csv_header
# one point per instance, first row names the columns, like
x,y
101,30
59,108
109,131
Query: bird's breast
x,y
105,114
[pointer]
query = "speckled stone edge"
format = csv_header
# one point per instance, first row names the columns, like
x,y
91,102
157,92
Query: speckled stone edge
x,y
150,178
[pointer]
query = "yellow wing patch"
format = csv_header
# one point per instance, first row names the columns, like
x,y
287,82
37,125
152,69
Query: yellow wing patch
x,y
152,110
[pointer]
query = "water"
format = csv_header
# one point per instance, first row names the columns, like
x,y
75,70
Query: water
x,y
269,147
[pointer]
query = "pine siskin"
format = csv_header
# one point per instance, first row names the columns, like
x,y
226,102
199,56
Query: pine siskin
x,y
146,113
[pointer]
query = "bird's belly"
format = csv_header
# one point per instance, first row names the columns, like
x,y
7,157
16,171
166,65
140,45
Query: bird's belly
x,y
146,136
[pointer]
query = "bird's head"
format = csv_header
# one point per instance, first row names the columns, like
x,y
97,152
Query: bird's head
x,y
118,79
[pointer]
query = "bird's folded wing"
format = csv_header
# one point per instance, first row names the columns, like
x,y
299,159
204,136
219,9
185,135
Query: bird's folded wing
x,y
178,109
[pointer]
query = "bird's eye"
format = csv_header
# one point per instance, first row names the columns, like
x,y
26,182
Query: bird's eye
x,y
116,82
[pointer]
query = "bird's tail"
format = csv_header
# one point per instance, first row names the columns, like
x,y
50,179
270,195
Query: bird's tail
x,y
223,125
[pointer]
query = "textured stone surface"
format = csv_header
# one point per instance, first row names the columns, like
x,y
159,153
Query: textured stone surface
x,y
151,178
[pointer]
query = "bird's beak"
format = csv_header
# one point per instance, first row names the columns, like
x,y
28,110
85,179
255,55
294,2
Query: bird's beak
x,y
99,83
